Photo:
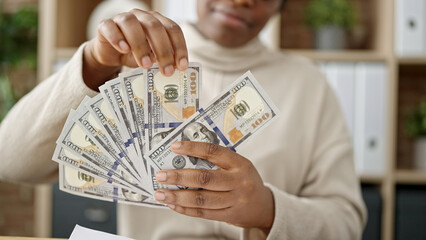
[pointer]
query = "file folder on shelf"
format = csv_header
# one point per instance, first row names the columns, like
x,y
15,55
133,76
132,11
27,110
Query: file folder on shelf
x,y
410,24
361,91
341,77
370,121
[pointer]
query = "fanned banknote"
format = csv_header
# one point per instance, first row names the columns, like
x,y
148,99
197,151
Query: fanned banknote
x,y
100,109
104,138
113,144
81,184
72,160
74,139
114,92
134,88
229,120
170,100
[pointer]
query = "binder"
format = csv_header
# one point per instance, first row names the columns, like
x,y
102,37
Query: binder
x,y
370,122
331,73
341,77
411,27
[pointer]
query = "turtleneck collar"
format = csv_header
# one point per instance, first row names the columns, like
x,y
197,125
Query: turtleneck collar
x,y
219,58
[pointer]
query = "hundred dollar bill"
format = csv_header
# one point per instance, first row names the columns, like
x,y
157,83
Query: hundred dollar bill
x,y
75,140
236,114
91,127
170,100
99,108
134,95
113,90
66,158
81,184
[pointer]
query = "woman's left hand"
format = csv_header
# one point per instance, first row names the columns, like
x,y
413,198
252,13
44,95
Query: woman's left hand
x,y
235,193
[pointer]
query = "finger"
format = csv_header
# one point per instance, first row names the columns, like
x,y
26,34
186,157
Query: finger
x,y
216,180
211,214
159,41
135,36
109,32
129,60
196,198
220,156
177,39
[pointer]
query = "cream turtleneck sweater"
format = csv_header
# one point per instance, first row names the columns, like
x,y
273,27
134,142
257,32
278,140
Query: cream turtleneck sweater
x,y
304,156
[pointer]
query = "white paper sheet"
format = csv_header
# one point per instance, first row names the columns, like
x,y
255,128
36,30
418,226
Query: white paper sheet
x,y
82,233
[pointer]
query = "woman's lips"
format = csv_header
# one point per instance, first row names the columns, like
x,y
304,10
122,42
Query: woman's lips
x,y
230,19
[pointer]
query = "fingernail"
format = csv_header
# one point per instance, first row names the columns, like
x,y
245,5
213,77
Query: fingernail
x,y
171,206
146,62
169,70
123,45
160,196
161,176
176,145
183,63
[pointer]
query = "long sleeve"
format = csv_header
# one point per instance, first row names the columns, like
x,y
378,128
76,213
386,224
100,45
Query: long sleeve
x,y
29,132
329,204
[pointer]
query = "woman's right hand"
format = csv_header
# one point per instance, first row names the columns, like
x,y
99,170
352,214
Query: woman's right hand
x,y
135,38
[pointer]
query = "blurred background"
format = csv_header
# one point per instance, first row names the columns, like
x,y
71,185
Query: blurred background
x,y
373,53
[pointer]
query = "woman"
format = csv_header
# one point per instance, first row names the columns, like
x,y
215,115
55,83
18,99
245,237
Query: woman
x,y
294,180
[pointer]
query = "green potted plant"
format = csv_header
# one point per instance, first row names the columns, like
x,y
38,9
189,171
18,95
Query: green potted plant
x,y
330,19
415,127
7,99
18,49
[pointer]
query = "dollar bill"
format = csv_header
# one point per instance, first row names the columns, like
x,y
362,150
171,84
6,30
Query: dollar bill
x,y
134,97
81,184
74,139
114,91
91,127
99,108
229,120
67,158
170,100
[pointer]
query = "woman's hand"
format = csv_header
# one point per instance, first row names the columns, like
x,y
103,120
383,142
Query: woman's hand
x,y
135,38
235,193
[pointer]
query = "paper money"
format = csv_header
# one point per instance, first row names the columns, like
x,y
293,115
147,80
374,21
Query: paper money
x,y
104,116
74,139
170,100
85,119
114,143
81,184
66,158
229,120
134,96
113,90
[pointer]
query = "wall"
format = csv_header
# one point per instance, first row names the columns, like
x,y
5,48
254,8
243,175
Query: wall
x,y
16,210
